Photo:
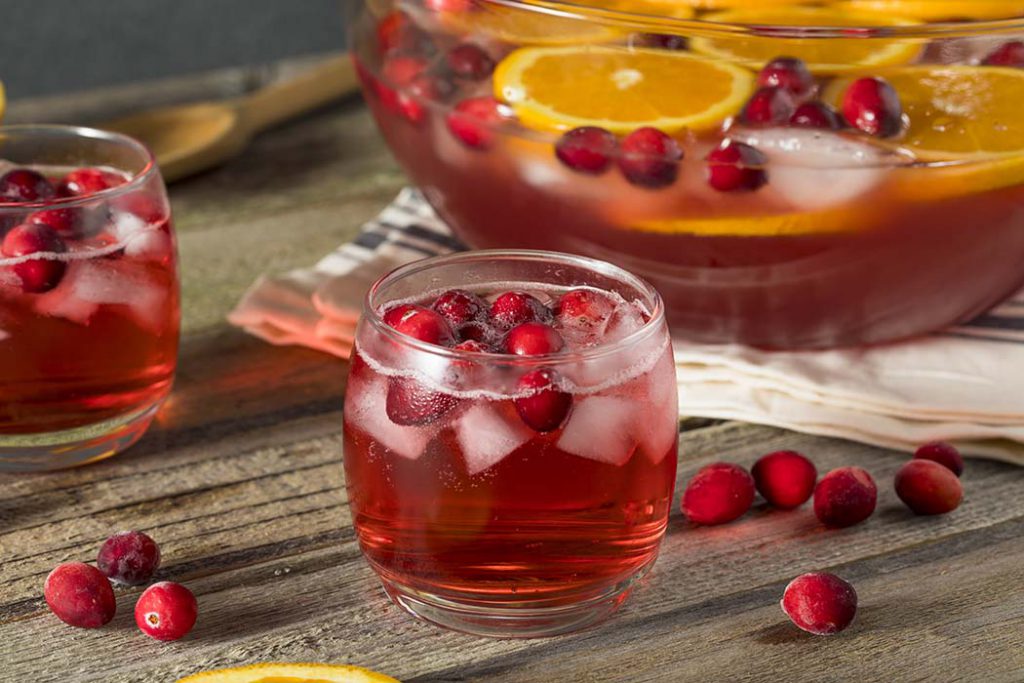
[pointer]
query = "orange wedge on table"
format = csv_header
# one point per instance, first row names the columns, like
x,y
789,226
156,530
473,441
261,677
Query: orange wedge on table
x,y
939,10
290,673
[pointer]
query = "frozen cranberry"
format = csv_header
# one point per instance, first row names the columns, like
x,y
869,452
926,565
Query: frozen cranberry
x,y
543,407
845,496
718,493
72,222
473,119
166,611
39,274
514,308
650,158
469,62
872,105
736,166
788,73
85,181
588,149
944,454
25,185
586,306
473,346
820,603
785,479
129,557
928,488
459,307
421,323
533,339
409,403
1007,54
768,107
80,595
815,115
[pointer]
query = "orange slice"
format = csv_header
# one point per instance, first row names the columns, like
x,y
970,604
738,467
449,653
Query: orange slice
x,y
660,8
824,55
527,27
764,225
620,89
939,10
290,673
728,4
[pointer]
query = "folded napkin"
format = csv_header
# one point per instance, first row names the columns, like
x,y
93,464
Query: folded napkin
x,y
964,385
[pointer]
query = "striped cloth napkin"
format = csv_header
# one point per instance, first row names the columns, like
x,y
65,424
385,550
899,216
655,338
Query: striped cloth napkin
x,y
962,385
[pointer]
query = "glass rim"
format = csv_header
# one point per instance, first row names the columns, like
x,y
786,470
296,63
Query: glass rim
x,y
656,320
70,132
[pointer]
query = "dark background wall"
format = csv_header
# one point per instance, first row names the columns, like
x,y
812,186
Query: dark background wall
x,y
54,46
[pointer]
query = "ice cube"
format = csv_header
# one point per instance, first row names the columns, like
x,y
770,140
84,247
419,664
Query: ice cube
x,y
486,436
125,225
367,412
149,245
62,302
626,319
601,428
122,282
657,431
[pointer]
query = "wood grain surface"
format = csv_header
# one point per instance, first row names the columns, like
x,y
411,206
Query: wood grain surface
x,y
240,480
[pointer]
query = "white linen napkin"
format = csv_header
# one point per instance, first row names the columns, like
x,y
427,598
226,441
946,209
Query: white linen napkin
x,y
964,385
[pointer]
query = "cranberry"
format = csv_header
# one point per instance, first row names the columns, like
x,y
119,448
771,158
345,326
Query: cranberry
x,y
533,339
543,407
588,149
469,62
129,557
1008,54
80,595
166,611
736,166
785,478
71,223
585,306
401,69
872,105
25,185
928,488
768,107
459,307
420,323
718,493
820,603
424,87
85,181
650,158
514,308
473,346
788,73
39,274
815,115
845,496
944,454
449,5
473,119
477,331
411,404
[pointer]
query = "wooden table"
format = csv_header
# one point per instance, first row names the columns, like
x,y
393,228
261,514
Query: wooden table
x,y
240,480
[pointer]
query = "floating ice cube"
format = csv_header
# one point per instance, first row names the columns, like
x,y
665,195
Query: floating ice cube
x,y
149,245
601,428
124,225
626,319
121,282
62,302
657,431
369,414
486,436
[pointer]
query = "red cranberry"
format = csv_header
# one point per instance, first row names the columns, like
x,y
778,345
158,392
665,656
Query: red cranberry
x,y
473,119
768,107
473,346
533,339
1008,54
820,603
71,223
477,331
401,69
469,62
944,454
40,274
421,323
736,166
129,557
586,306
449,5
514,308
815,115
544,407
785,478
872,105
25,185
459,307
411,404
845,496
788,73
425,87
85,181
80,595
588,149
650,158
718,493
928,488
166,611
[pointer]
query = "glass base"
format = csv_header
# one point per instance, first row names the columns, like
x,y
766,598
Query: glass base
x,y
73,447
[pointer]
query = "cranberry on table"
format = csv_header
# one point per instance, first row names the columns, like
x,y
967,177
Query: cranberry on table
x,y
585,306
472,121
650,158
785,479
469,62
1008,54
533,339
820,603
928,488
872,105
544,407
514,308
769,106
944,454
459,307
37,275
420,323
815,115
588,149
85,181
25,185
411,404
129,557
736,167
844,497
719,493
789,73
80,595
166,611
